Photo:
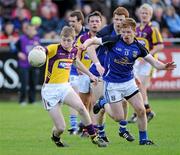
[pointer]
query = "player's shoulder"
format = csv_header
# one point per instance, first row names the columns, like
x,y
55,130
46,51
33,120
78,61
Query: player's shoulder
x,y
52,47
106,30
84,30
84,37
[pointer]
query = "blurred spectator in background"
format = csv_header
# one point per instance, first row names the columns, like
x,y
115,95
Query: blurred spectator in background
x,y
6,7
102,7
20,4
176,5
33,6
159,20
53,9
1,19
36,21
19,19
9,36
27,74
49,23
173,21
63,21
86,10
158,16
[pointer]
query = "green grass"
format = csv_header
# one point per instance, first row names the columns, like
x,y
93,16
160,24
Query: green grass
x,y
26,131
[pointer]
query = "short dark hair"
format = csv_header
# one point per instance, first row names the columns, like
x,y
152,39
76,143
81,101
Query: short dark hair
x,y
95,13
78,14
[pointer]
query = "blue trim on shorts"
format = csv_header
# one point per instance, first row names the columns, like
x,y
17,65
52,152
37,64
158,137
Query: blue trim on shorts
x,y
106,92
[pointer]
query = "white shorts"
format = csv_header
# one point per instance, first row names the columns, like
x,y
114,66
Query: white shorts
x,y
84,83
53,94
74,81
115,92
144,69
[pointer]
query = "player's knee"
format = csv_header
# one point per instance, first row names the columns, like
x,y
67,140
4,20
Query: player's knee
x,y
61,128
117,118
81,110
141,112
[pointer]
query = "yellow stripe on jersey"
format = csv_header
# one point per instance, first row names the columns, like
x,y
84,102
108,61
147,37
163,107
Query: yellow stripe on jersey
x,y
84,55
156,36
144,42
52,50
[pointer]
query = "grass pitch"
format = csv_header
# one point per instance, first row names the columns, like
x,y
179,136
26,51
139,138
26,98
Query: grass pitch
x,y
26,130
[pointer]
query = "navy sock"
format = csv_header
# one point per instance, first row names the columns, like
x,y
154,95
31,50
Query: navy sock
x,y
73,122
122,124
101,131
102,101
143,135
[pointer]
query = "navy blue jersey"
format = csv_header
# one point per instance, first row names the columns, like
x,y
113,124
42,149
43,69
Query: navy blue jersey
x,y
107,30
101,54
73,68
120,58
102,50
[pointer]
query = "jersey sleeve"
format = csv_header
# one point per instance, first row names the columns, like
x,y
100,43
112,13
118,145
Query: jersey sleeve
x,y
51,50
156,36
105,31
107,40
78,42
144,51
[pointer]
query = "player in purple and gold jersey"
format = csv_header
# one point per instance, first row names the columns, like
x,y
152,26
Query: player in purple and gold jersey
x,y
94,24
150,37
76,20
57,90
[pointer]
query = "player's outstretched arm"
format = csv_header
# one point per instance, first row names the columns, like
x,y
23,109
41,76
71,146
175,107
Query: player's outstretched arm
x,y
159,65
82,68
91,51
89,42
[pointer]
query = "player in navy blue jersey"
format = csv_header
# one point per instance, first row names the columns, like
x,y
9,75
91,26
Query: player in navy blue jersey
x,y
119,78
119,15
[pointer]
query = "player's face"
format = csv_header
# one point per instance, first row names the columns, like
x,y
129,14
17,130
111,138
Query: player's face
x,y
31,31
144,15
66,42
74,23
128,34
117,20
95,23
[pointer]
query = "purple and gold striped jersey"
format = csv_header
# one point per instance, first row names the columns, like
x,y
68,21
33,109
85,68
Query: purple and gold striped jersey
x,y
148,35
58,63
84,56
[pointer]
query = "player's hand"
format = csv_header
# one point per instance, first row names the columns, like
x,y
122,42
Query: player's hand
x,y
170,66
40,48
142,61
94,79
82,47
22,56
138,82
100,68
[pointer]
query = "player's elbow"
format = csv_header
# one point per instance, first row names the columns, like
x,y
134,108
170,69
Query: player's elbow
x,y
161,47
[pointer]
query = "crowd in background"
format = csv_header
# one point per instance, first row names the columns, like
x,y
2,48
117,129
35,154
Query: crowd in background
x,y
49,16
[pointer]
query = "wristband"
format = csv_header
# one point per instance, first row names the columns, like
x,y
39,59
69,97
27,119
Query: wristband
x,y
97,63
